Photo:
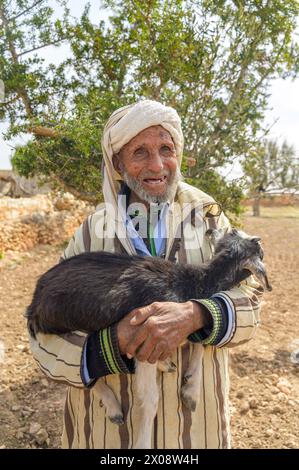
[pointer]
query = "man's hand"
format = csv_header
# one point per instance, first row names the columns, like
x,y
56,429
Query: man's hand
x,y
153,332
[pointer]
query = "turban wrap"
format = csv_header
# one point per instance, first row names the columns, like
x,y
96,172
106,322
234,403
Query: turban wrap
x,y
124,124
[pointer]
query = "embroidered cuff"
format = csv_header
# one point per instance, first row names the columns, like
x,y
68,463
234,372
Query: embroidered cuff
x,y
103,356
213,335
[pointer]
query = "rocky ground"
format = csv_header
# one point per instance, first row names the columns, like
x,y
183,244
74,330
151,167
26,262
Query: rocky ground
x,y
264,380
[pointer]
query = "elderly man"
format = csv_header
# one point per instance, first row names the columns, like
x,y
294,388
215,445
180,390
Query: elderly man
x,y
142,150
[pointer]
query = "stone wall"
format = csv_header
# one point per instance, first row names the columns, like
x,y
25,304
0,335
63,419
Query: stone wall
x,y
41,219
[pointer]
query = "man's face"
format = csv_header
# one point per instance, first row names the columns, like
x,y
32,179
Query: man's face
x,y
149,165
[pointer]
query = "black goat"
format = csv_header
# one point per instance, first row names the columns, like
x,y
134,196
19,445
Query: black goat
x,y
91,291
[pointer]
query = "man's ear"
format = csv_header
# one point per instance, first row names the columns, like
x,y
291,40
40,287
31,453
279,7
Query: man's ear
x,y
116,163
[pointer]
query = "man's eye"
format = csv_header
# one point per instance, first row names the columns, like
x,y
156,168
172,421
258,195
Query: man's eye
x,y
140,151
166,148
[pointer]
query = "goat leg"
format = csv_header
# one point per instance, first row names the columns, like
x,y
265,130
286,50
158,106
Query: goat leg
x,y
190,391
105,395
148,396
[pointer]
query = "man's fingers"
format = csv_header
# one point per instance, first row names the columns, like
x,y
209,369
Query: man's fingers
x,y
157,354
136,342
146,349
165,355
141,314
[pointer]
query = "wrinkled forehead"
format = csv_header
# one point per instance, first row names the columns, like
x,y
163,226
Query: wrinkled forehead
x,y
151,136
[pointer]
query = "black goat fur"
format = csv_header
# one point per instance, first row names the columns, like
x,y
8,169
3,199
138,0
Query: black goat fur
x,y
91,291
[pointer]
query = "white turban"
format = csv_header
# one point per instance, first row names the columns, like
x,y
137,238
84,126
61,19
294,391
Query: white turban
x,y
124,124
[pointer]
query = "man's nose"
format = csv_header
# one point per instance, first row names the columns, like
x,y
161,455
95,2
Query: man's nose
x,y
155,163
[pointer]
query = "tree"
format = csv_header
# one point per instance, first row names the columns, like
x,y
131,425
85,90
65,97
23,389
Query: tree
x,y
271,167
212,61
27,27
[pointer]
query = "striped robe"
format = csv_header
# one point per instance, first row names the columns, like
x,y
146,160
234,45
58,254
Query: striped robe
x,y
60,357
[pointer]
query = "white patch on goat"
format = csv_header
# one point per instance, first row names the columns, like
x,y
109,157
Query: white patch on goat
x,y
148,398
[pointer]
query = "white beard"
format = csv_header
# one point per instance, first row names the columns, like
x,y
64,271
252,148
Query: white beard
x,y
137,188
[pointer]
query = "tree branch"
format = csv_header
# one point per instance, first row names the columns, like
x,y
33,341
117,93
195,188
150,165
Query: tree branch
x,y
42,131
22,91
25,11
41,47
89,197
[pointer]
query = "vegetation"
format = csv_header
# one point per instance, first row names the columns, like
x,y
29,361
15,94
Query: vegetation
x,y
271,167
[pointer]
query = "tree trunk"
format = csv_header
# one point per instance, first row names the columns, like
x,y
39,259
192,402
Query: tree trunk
x,y
256,206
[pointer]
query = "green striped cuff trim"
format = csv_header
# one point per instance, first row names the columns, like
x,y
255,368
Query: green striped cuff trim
x,y
108,352
216,313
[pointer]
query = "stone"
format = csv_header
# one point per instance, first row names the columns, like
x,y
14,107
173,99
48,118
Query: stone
x,y
285,390
23,347
240,394
284,385
269,432
244,408
34,428
264,403
23,429
41,436
27,408
19,435
282,397
267,381
278,410
253,403
26,414
275,376
44,383
15,408
292,445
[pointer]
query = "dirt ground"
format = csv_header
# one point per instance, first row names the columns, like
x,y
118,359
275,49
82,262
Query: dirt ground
x,y
264,380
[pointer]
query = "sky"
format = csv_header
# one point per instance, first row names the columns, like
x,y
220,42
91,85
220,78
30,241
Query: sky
x,y
282,105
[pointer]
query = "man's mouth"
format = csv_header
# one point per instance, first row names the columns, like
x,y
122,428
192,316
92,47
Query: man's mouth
x,y
155,181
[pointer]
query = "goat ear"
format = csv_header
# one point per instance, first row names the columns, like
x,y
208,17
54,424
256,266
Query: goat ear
x,y
256,239
209,232
214,235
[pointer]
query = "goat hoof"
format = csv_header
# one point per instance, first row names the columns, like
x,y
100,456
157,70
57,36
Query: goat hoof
x,y
188,401
117,419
